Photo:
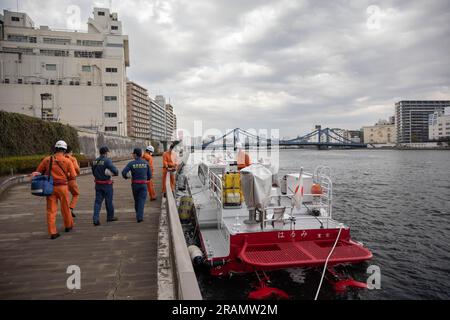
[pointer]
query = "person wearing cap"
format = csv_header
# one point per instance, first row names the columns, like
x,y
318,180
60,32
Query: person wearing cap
x,y
169,165
147,156
73,186
140,175
61,169
243,159
102,169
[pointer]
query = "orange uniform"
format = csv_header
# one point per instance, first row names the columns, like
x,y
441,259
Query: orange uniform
x,y
169,162
150,187
62,171
243,159
73,186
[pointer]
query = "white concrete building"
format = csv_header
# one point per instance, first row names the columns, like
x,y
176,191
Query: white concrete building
x,y
439,125
383,132
82,75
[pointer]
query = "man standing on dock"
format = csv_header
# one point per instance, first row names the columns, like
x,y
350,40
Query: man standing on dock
x,y
73,186
140,175
102,169
149,158
243,159
169,165
61,169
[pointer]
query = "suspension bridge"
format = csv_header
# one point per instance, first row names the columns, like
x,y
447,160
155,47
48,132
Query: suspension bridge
x,y
321,138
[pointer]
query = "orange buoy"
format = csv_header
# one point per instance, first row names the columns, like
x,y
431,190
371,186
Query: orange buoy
x,y
316,189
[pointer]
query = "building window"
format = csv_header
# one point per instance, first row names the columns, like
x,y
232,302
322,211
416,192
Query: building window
x,y
17,38
86,68
19,81
71,83
77,83
50,67
32,39
111,69
111,84
110,128
110,114
87,54
15,19
90,43
114,28
101,13
110,98
56,53
59,82
89,83
52,82
56,40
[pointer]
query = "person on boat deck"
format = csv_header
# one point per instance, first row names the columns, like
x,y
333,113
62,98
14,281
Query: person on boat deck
x,y
73,186
169,165
140,175
61,169
243,159
103,186
147,156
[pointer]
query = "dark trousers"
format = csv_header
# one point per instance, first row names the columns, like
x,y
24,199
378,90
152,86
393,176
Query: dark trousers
x,y
103,192
139,195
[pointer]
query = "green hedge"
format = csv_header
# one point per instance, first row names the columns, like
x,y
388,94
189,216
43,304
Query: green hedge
x,y
22,135
28,164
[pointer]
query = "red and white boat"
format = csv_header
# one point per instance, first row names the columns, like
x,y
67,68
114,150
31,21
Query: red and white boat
x,y
269,226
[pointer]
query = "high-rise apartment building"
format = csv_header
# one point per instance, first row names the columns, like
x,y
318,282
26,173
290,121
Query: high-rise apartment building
x,y
411,119
138,111
157,121
76,77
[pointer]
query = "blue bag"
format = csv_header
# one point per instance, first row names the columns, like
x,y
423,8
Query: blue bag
x,y
43,185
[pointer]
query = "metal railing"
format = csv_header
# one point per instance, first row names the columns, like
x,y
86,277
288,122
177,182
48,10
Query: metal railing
x,y
187,284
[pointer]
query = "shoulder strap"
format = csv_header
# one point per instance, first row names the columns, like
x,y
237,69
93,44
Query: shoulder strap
x,y
50,168
59,165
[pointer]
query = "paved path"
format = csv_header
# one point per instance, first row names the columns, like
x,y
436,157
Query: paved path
x,y
117,259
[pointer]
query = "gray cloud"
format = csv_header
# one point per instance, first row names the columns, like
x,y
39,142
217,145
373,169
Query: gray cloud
x,y
280,64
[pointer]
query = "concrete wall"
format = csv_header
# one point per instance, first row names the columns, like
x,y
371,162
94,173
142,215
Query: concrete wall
x,y
120,147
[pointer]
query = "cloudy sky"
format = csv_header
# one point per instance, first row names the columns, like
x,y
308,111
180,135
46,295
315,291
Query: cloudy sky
x,y
278,64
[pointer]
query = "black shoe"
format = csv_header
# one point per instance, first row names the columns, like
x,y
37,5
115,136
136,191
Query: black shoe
x,y
96,223
140,220
54,236
164,195
68,229
73,214
112,219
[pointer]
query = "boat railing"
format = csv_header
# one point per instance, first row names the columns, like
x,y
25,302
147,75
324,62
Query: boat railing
x,y
216,188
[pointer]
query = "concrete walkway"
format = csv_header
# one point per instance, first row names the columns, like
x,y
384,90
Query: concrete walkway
x,y
118,260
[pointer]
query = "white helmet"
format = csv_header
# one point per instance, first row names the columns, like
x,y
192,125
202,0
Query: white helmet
x,y
150,148
61,144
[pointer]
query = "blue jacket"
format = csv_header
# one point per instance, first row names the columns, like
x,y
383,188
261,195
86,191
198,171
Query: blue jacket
x,y
99,166
140,170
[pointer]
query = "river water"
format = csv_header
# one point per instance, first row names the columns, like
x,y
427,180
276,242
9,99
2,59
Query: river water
x,y
396,202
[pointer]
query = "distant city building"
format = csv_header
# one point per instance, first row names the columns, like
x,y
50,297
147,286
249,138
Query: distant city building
x,y
381,133
439,125
77,78
412,117
356,136
138,111
157,121
170,123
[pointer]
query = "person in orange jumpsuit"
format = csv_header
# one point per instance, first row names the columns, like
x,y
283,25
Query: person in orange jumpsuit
x,y
73,186
61,170
169,165
147,156
243,159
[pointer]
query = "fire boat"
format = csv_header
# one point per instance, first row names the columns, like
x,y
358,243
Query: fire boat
x,y
246,221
